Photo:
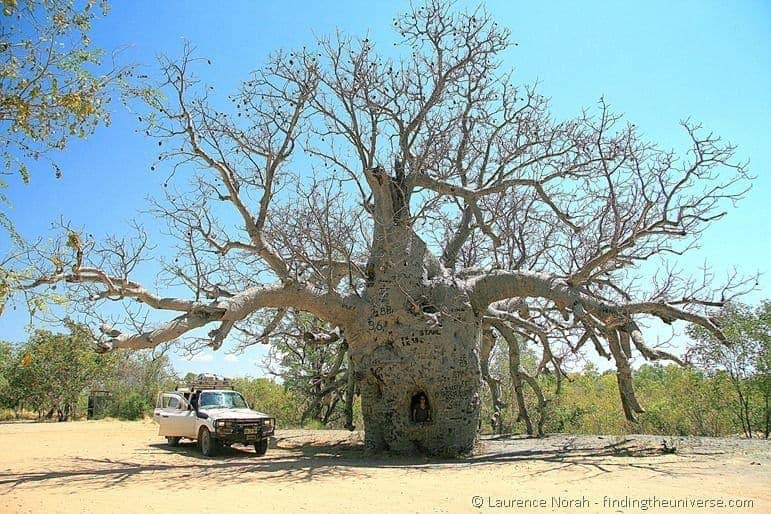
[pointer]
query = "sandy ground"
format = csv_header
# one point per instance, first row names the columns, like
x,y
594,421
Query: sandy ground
x,y
112,466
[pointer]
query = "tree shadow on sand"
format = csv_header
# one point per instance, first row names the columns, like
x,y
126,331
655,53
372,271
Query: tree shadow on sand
x,y
296,459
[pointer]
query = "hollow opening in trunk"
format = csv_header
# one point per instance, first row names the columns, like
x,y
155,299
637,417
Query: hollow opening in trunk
x,y
420,408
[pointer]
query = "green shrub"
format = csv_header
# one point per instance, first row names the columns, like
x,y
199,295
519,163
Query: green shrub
x,y
314,424
132,407
274,399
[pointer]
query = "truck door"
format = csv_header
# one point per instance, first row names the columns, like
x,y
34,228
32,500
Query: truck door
x,y
170,414
183,419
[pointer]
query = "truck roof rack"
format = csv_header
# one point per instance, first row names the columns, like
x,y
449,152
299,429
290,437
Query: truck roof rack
x,y
208,381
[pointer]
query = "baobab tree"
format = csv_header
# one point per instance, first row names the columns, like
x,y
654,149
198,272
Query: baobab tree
x,y
414,203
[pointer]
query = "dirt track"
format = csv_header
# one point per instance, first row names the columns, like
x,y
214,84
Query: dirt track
x,y
111,466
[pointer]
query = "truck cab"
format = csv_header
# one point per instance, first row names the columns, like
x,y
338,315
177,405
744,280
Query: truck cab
x,y
211,412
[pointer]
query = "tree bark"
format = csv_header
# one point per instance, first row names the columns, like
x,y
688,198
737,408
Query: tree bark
x,y
400,354
418,334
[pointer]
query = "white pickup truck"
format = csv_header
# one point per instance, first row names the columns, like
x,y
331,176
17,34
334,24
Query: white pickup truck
x,y
214,414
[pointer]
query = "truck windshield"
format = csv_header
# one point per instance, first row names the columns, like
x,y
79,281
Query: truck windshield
x,y
226,399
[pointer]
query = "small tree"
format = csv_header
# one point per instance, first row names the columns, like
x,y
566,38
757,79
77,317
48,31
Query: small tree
x,y
6,367
136,380
763,335
745,359
313,363
52,370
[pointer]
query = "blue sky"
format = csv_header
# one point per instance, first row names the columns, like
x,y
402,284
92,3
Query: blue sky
x,y
656,61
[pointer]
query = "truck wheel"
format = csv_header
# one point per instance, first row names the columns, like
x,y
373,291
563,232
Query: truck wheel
x,y
260,447
207,443
173,441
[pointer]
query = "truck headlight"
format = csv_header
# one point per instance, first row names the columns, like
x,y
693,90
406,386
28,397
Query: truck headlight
x,y
268,423
220,422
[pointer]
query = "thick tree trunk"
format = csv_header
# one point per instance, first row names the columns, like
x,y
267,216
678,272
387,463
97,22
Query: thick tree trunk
x,y
419,336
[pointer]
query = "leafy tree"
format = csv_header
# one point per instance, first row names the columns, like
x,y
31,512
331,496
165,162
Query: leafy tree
x,y
6,365
53,87
586,405
49,91
411,203
135,381
763,376
683,401
745,359
130,405
52,370
267,396
52,373
679,401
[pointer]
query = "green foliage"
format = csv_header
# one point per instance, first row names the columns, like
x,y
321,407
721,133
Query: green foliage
x,y
314,424
52,89
678,401
55,372
8,278
6,365
49,371
135,382
267,396
588,403
728,391
131,406
745,361
682,401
